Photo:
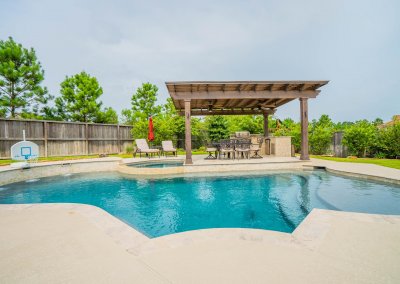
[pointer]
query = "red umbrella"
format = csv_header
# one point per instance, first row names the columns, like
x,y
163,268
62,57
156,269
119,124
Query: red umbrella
x,y
150,137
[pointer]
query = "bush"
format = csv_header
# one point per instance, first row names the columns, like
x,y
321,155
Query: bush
x,y
162,130
321,132
388,141
320,140
217,127
360,137
129,149
380,155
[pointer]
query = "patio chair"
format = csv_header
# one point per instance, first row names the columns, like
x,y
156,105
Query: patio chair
x,y
242,148
167,147
142,147
256,149
227,147
211,148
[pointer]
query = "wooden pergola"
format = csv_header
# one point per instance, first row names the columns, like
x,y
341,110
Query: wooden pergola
x,y
241,98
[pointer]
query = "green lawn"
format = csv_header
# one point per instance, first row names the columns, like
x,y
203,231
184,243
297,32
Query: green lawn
x,y
390,163
194,152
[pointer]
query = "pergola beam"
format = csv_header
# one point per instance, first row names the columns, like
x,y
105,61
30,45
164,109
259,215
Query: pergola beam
x,y
201,112
214,95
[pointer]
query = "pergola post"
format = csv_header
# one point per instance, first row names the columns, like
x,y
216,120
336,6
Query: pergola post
x,y
188,134
265,114
304,128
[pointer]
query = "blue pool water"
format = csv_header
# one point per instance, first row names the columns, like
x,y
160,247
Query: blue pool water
x,y
156,207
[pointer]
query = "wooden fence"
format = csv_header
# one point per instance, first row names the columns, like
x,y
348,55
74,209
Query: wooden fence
x,y
57,138
337,147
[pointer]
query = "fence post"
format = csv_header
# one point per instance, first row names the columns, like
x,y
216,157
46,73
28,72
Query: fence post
x,y
87,138
118,139
46,136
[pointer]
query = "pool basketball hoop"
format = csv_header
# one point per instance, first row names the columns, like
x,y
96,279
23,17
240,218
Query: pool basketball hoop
x,y
24,151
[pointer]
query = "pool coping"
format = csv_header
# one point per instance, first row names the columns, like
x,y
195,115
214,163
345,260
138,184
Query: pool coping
x,y
221,166
364,171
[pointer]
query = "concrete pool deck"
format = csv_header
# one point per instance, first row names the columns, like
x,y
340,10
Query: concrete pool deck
x,y
52,243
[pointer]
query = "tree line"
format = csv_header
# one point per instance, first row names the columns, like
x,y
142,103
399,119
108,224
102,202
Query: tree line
x,y
23,96
363,138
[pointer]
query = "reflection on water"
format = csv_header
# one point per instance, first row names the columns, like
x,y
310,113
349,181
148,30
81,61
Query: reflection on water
x,y
274,201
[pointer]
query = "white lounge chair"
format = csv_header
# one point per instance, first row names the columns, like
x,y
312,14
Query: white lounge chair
x,y
142,147
167,147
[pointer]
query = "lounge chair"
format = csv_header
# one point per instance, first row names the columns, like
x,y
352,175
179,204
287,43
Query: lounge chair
x,y
167,147
142,147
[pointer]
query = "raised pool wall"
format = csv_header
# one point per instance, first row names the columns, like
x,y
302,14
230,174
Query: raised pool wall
x,y
219,168
41,170
11,175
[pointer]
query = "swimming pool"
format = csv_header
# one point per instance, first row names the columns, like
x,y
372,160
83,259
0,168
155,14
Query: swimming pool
x,y
274,201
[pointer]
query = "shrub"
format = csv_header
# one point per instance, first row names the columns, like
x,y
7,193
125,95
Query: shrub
x,y
217,127
162,129
388,141
380,155
321,132
360,137
320,140
129,149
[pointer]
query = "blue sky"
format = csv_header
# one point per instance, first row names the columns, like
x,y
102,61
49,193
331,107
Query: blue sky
x,y
354,44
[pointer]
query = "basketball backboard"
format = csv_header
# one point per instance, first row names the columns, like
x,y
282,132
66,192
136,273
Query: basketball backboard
x,y
24,150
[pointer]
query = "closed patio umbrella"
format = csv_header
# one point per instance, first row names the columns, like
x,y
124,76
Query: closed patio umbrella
x,y
150,136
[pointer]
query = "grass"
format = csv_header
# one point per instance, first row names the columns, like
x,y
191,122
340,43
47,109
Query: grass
x,y
63,158
390,163
194,152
